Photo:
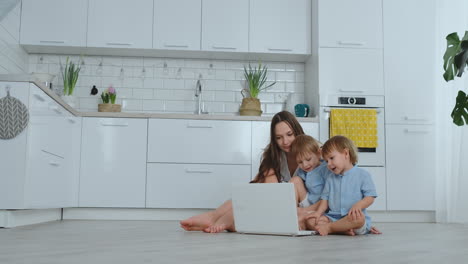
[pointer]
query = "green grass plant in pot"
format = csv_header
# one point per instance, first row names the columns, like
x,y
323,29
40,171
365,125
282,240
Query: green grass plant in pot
x,y
70,78
256,78
455,62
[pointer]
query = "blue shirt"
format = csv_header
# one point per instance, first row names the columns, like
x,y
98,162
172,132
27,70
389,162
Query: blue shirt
x,y
315,181
343,191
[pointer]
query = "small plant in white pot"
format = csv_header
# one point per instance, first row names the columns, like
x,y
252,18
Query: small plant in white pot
x,y
70,78
256,82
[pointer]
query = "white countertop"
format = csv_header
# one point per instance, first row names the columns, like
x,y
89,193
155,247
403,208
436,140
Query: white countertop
x,y
30,78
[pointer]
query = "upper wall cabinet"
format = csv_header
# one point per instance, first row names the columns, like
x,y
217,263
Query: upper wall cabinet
x,y
177,24
280,26
54,22
353,24
120,23
225,25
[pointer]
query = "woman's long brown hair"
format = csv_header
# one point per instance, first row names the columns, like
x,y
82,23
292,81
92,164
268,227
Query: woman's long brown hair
x,y
271,158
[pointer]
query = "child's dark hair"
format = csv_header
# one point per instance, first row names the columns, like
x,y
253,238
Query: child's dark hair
x,y
340,143
304,144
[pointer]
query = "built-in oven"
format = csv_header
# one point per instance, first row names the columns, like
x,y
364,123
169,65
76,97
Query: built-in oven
x,y
368,157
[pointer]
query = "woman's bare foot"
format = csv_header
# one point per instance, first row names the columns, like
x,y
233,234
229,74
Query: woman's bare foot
x,y
199,222
323,229
225,222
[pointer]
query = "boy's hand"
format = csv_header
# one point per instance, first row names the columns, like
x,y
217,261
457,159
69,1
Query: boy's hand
x,y
355,212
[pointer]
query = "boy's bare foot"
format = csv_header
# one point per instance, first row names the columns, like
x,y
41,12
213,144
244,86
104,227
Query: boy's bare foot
x,y
199,222
349,232
375,231
323,229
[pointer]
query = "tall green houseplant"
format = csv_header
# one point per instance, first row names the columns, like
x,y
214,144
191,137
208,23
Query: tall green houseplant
x,y
455,62
256,79
70,76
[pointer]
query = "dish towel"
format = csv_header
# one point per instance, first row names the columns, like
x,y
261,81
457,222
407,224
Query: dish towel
x,y
359,125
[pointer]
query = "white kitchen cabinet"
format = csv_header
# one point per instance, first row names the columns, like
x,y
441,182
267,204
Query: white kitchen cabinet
x,y
380,182
280,26
410,171
192,185
53,22
350,23
120,24
38,161
410,66
199,141
113,162
225,25
353,72
177,24
261,137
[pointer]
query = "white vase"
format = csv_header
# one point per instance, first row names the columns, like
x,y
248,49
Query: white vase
x,y
70,100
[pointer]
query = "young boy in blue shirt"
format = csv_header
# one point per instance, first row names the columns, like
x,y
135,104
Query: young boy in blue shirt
x,y
348,191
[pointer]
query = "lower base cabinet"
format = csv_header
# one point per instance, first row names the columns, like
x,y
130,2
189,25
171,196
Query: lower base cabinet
x,y
192,185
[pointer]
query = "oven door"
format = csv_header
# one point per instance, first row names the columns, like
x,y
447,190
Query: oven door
x,y
366,158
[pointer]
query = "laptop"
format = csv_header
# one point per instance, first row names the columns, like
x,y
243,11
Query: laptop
x,y
268,208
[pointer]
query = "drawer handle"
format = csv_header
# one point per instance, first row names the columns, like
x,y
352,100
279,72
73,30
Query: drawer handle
x,y
39,97
50,153
411,131
114,125
224,48
175,46
198,171
199,126
55,109
118,44
408,118
351,91
276,49
52,41
71,120
351,43
54,163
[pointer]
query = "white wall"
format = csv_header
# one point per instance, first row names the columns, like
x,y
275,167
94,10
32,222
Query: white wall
x,y
146,85
13,59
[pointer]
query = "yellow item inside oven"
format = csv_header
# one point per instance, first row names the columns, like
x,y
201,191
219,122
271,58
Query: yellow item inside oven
x,y
359,125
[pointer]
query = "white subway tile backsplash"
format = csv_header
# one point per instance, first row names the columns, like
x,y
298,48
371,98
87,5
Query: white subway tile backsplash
x,y
172,88
286,76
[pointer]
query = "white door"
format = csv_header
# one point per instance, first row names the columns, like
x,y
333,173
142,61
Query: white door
x,y
225,25
120,23
54,22
280,26
177,24
351,24
113,162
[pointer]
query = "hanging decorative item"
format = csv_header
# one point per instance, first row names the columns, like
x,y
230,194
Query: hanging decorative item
x,y
14,116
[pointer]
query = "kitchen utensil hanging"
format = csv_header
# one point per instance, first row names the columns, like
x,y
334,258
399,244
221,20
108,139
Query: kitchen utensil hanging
x,y
14,116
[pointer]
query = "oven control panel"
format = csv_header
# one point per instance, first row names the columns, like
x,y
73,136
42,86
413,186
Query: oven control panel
x,y
352,100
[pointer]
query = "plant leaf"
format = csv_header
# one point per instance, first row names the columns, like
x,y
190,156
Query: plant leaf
x,y
453,45
460,110
461,59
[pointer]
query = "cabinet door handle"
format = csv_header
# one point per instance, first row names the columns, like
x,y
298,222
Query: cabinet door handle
x,y
351,43
198,171
224,48
118,44
71,120
54,163
52,41
175,46
278,49
39,97
408,118
199,126
114,125
350,91
412,131
55,109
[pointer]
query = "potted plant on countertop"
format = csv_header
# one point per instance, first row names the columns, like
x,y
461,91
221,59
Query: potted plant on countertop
x,y
256,82
70,77
455,62
108,101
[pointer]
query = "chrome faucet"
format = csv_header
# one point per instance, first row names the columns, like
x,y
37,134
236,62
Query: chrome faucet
x,y
198,94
